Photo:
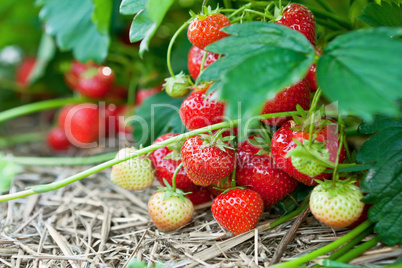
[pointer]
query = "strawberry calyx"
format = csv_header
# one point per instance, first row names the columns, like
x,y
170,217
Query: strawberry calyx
x,y
175,154
90,73
206,11
262,141
338,187
177,86
216,140
171,190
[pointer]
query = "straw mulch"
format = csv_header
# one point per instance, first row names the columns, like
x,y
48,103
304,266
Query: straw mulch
x,y
93,223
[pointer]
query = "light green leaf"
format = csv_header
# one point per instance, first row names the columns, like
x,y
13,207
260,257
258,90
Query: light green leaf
x,y
102,15
141,26
71,24
46,52
157,9
353,71
131,7
384,15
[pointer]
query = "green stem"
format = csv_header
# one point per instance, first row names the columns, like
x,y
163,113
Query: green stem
x,y
174,177
227,3
21,138
351,244
240,10
153,147
204,57
260,14
359,250
132,88
288,216
64,161
36,107
325,5
171,45
329,24
326,249
217,135
341,140
325,14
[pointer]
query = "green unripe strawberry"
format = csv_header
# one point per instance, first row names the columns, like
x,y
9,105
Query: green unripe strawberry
x,y
133,174
336,204
169,212
309,166
178,86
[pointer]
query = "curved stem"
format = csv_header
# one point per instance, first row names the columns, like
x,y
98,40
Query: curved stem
x,y
36,107
259,14
289,216
174,176
239,10
204,57
328,248
171,45
217,135
62,161
356,252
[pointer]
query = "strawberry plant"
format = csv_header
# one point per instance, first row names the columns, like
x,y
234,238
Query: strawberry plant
x,y
291,102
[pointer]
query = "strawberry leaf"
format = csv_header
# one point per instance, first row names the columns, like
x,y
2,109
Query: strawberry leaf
x,y
131,7
383,182
81,34
252,50
364,88
384,15
159,114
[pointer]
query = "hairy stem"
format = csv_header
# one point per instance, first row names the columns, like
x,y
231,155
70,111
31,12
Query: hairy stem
x,y
36,107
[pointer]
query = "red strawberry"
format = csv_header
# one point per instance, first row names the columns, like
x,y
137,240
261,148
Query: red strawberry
x,y
326,143
63,114
117,93
199,196
96,82
195,57
222,184
207,161
286,100
205,30
24,71
337,206
301,19
311,75
133,174
238,210
57,140
76,70
169,214
198,111
260,174
81,123
143,94
165,168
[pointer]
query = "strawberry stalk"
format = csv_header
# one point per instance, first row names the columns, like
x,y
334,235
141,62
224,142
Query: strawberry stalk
x,y
174,37
288,216
359,250
59,184
326,249
36,107
21,138
174,177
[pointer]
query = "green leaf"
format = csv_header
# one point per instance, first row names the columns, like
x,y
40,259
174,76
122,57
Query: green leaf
x,y
158,115
380,122
157,9
291,202
261,58
384,15
141,26
71,24
131,7
102,15
383,182
46,52
355,57
8,170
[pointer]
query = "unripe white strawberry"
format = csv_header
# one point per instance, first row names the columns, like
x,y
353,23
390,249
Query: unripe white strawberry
x,y
337,206
133,174
170,214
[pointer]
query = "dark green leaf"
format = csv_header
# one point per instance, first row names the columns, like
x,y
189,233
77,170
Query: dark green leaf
x,y
384,15
355,57
383,182
380,122
46,52
71,24
260,58
102,14
158,115
131,7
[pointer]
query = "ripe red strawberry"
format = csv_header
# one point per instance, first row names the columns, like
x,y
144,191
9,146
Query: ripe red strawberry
x,y
117,93
133,174
171,213
337,206
76,70
199,196
24,71
57,139
238,210
81,123
311,75
205,30
207,161
198,111
145,93
165,168
301,19
259,173
305,170
96,82
195,57
286,100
